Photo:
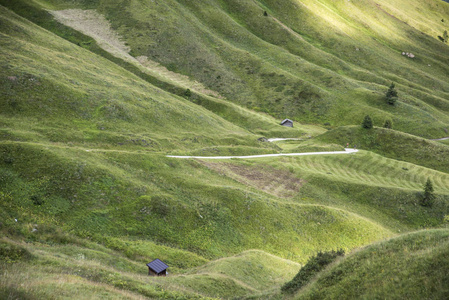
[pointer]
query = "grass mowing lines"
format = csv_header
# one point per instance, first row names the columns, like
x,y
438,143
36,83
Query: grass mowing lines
x,y
370,169
146,195
393,144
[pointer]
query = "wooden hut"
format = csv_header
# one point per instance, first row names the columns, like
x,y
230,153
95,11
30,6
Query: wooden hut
x,y
157,268
287,122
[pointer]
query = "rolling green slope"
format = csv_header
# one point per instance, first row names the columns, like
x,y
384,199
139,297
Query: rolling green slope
x,y
411,266
381,189
88,196
54,91
313,61
392,144
251,272
178,203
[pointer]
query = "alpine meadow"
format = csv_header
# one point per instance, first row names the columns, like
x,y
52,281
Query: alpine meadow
x,y
261,149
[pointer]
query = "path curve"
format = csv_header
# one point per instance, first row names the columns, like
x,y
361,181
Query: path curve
x,y
283,139
442,139
347,151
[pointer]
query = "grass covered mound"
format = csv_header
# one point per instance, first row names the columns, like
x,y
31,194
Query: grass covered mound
x,y
313,266
244,274
412,266
11,252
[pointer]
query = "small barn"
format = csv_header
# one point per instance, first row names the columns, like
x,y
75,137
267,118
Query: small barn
x,y
287,122
157,268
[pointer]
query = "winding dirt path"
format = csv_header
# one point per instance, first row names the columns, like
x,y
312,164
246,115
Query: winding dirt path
x,y
347,151
283,139
442,139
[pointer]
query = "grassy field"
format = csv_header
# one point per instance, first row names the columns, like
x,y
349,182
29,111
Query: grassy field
x,y
88,196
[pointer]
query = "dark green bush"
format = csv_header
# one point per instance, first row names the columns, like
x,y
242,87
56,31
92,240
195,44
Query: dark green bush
x,y
391,95
11,253
388,124
313,266
428,197
367,122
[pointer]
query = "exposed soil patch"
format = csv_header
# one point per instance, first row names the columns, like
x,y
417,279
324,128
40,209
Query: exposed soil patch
x,y
270,180
95,25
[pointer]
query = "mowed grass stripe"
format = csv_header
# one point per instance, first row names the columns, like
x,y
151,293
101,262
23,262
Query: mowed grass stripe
x,y
371,169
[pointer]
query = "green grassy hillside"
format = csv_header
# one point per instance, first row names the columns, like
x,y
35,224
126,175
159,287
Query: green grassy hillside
x,y
365,183
320,61
88,195
412,266
57,92
178,203
393,144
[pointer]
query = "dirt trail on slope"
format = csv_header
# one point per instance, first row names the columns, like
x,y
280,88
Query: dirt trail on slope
x,y
95,25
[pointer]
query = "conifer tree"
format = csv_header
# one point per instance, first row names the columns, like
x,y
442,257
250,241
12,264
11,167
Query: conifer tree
x,y
367,122
428,197
388,124
391,95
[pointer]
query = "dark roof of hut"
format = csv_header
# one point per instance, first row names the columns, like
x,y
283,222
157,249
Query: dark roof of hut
x,y
286,120
157,265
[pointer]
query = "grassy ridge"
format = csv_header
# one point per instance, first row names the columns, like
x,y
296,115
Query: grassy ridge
x,y
411,266
87,271
251,272
242,117
80,268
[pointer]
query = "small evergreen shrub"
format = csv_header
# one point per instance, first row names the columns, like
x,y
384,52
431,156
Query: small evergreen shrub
x,y
313,266
367,122
391,95
37,200
10,253
388,124
188,93
428,197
